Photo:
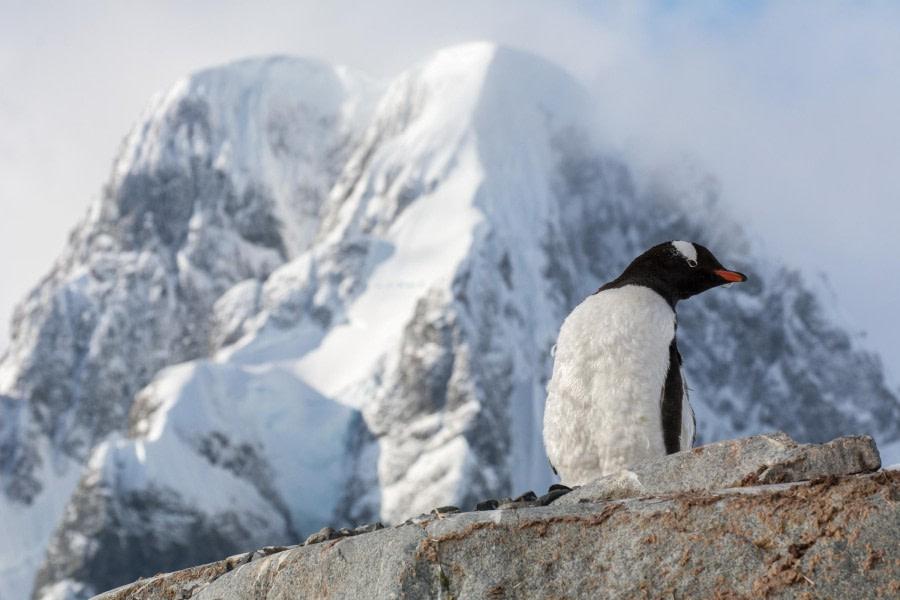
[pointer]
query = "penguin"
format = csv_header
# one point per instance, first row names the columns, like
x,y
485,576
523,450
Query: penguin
x,y
617,396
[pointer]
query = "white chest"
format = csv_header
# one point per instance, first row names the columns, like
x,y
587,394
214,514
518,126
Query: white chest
x,y
603,404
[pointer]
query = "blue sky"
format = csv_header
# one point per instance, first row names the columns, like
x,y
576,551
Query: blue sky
x,y
792,105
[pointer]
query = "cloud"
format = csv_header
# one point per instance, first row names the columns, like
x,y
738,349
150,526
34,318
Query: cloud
x,y
793,105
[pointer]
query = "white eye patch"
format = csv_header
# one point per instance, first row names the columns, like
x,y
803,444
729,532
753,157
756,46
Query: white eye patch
x,y
687,250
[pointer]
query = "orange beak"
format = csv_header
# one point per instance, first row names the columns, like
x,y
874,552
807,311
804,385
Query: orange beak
x,y
730,276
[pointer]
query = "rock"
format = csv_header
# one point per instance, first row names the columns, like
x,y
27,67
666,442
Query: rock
x,y
759,459
758,517
324,534
487,505
527,499
517,504
552,495
445,510
423,518
181,584
267,551
833,537
368,528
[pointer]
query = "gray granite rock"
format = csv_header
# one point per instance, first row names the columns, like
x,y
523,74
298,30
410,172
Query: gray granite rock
x,y
834,537
798,526
759,459
181,584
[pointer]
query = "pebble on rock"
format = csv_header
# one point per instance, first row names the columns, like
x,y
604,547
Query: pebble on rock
x,y
487,505
423,518
445,510
323,535
368,528
552,495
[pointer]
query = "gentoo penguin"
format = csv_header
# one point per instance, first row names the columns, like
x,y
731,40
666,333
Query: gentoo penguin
x,y
617,396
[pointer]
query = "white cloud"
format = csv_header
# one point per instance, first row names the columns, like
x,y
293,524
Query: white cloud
x,y
792,104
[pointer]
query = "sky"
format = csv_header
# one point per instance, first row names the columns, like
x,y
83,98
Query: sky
x,y
794,106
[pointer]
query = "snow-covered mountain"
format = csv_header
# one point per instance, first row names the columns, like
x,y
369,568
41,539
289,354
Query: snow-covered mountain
x,y
308,298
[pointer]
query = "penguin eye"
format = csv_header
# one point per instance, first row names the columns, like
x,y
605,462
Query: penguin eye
x,y
691,263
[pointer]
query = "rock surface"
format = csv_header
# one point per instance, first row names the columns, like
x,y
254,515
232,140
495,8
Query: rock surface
x,y
833,535
759,459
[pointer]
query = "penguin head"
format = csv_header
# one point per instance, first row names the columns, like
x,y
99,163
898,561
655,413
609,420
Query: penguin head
x,y
678,270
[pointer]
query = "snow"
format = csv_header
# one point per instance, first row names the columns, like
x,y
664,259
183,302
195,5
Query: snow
x,y
312,109
233,310
429,241
260,407
421,249
26,529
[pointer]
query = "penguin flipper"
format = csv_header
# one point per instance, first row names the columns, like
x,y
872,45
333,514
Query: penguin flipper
x,y
671,408
689,431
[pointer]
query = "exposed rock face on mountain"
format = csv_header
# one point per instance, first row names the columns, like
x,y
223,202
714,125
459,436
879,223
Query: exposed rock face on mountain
x,y
822,532
306,297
